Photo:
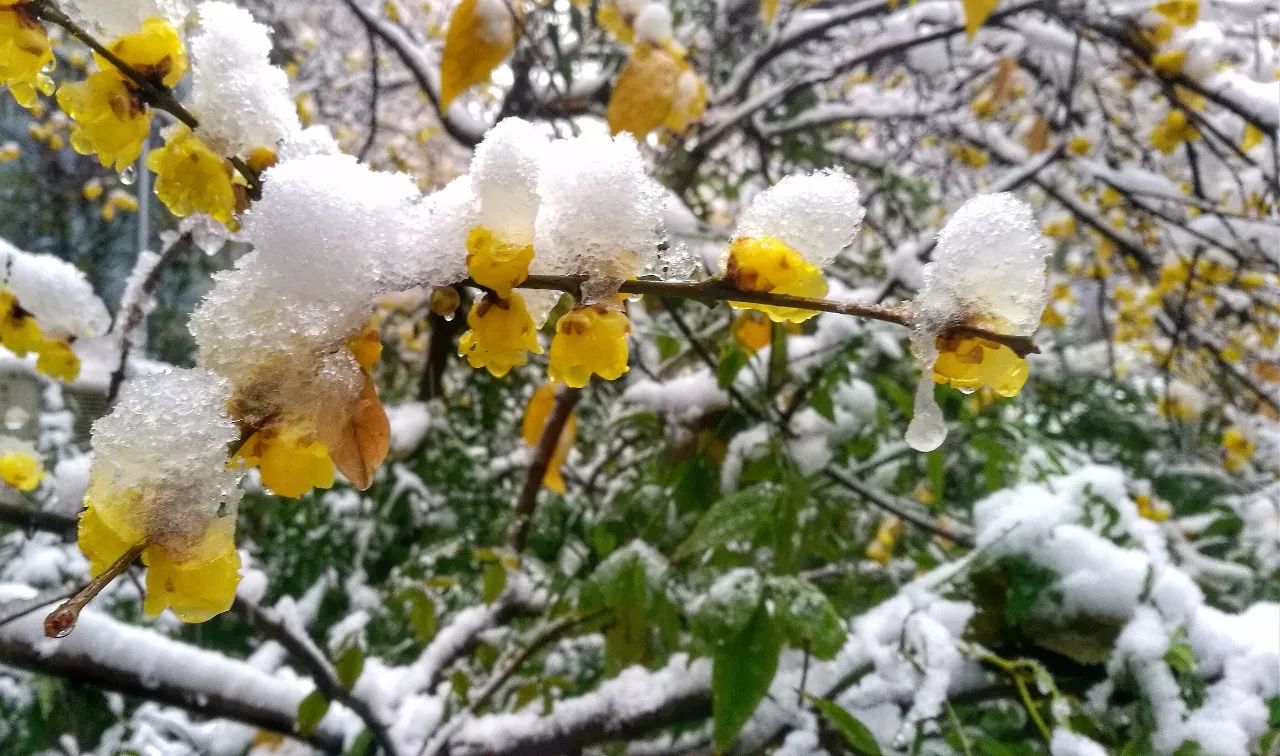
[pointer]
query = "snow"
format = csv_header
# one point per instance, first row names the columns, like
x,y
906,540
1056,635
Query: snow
x,y
239,98
118,17
436,231
682,399
164,448
600,213
1067,743
816,214
504,177
410,422
653,25
55,292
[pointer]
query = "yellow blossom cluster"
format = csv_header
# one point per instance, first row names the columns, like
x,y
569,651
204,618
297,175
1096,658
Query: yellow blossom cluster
x,y
25,53
881,547
21,334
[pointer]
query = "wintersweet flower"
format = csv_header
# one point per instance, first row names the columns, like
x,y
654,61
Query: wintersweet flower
x,y
768,265
19,466
1238,449
657,87
22,335
155,51
531,427
289,457
161,486
111,119
496,263
57,360
752,331
968,363
481,33
590,339
192,178
501,335
1173,131
25,54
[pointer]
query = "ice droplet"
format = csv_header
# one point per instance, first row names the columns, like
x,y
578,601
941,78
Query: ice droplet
x,y
928,429
128,176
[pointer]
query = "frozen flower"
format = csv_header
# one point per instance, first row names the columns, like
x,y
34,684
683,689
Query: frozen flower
x,y
481,34
968,363
501,335
111,119
289,458
192,178
590,339
25,54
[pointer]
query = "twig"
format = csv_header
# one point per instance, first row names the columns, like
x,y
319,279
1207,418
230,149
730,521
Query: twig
x,y
375,91
62,620
885,502
15,610
566,398
29,518
129,317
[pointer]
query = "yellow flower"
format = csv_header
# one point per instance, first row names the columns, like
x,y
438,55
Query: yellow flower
x,y
25,53
766,264
155,51
21,470
968,363
474,45
18,330
495,263
752,331
1173,131
1156,511
92,189
613,20
191,178
535,419
657,87
9,151
881,547
366,346
501,336
57,360
1079,145
590,339
196,578
111,120
1179,12
969,155
289,458
1169,62
1238,448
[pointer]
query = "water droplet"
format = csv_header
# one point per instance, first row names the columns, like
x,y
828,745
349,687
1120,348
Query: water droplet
x,y
449,318
128,176
15,418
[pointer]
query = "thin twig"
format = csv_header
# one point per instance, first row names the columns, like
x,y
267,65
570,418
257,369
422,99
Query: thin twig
x,y
566,398
62,620
128,318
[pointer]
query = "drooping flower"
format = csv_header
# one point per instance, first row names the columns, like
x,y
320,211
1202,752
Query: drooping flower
x,y
191,178
769,266
289,457
1173,131
111,119
501,335
57,360
19,464
495,263
752,331
160,483
25,54
1237,448
481,34
657,87
21,334
968,363
155,51
531,428
590,340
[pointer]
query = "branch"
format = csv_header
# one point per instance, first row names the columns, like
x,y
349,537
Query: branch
x,y
302,649
566,397
891,504
29,518
134,661
131,312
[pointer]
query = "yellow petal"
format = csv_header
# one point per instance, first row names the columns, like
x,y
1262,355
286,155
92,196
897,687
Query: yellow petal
x,y
590,340
976,13
644,91
359,440
195,592
481,34
766,264
531,427
99,542
501,335
1252,137
21,470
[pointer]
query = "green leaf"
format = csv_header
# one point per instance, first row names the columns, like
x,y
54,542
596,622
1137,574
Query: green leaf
x,y
422,615
821,402
1181,658
495,579
806,616
461,684
728,607
349,666
741,671
734,517
362,745
310,711
668,346
732,359
854,732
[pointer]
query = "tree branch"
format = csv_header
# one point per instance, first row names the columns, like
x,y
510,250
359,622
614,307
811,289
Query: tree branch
x,y
566,398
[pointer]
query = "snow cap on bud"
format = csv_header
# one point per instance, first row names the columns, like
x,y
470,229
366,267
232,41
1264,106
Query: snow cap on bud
x,y
600,214
504,177
816,214
989,266
653,25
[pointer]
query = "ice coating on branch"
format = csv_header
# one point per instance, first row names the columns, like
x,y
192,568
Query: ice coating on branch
x,y
816,214
54,291
166,442
327,226
241,100
504,177
277,348
600,214
653,25
118,17
435,231
989,265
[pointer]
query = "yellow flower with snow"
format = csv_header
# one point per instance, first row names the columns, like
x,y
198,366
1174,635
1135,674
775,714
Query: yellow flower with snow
x,y
92,189
495,263
657,87
618,18
767,265
111,119
881,547
191,178
1237,448
1169,62
19,466
501,335
1079,145
18,329
25,53
57,360
590,340
1173,131
1179,12
155,51
366,346
289,457
968,363
1156,511
481,34
536,413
